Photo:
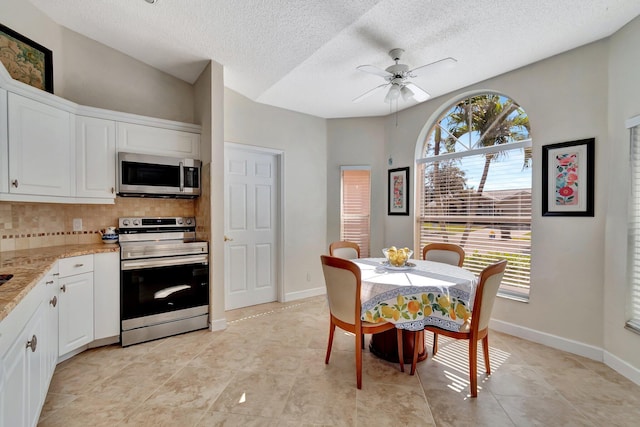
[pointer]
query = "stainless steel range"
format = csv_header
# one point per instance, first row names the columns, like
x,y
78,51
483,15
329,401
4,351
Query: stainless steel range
x,y
164,278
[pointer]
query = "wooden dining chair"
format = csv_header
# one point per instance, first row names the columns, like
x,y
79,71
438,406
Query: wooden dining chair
x,y
486,292
447,253
343,282
344,249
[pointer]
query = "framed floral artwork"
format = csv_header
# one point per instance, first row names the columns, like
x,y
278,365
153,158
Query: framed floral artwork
x,y
26,60
398,189
568,178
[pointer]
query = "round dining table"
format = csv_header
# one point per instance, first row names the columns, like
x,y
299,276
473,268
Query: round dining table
x,y
411,297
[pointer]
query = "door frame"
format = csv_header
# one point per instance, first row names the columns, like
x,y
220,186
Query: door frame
x,y
279,157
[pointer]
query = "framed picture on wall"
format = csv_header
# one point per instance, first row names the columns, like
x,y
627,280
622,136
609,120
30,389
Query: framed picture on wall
x,y
26,60
398,191
568,178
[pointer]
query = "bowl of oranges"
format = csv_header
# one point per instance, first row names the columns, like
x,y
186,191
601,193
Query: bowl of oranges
x,y
397,257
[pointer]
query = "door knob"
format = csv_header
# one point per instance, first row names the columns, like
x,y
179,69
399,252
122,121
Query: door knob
x,y
32,343
227,239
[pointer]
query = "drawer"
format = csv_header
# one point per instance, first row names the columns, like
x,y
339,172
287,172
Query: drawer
x,y
75,265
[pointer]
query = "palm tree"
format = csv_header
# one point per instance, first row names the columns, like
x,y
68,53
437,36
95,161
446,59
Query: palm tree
x,y
497,121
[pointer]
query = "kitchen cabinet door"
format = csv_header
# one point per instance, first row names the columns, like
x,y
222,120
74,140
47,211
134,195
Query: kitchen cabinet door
x,y
21,395
95,157
136,138
51,284
40,148
4,144
76,312
106,277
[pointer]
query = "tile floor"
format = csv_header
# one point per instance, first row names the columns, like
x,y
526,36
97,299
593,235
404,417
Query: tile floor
x,y
267,369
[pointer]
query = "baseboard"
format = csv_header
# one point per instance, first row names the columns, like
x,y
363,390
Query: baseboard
x,y
549,340
294,296
218,324
622,367
575,347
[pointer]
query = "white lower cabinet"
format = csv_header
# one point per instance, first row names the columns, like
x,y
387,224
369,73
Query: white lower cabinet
x,y
25,377
54,319
76,303
106,286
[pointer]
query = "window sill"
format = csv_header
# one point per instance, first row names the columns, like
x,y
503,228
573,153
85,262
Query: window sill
x,y
514,296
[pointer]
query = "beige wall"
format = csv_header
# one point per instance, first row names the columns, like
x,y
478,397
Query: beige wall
x,y
621,345
576,303
357,142
89,73
303,140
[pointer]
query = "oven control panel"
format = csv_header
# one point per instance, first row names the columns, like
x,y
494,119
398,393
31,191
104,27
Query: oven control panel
x,y
142,223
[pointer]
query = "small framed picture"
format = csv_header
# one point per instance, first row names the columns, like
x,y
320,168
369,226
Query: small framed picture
x,y
568,178
398,191
26,60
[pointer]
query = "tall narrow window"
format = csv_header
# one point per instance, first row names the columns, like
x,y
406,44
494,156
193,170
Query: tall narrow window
x,y
355,206
634,228
475,182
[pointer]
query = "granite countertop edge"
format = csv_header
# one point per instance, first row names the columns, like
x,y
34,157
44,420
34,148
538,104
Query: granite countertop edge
x,y
29,266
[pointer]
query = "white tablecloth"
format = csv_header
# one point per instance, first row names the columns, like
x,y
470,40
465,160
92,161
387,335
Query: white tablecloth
x,y
431,293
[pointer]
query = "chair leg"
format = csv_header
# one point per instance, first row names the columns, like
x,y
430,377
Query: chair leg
x,y
400,348
434,350
362,341
414,360
473,366
332,329
485,349
358,360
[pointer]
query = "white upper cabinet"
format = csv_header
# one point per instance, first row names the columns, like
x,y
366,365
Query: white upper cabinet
x,y
4,144
137,138
95,157
40,148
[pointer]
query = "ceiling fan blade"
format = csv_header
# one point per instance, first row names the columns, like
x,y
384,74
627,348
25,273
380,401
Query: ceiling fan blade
x,y
419,94
374,70
370,92
442,64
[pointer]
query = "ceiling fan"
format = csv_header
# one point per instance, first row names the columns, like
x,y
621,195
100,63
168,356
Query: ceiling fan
x,y
397,76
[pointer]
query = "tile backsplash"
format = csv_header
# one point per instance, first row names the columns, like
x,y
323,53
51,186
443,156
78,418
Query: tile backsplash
x,y
36,225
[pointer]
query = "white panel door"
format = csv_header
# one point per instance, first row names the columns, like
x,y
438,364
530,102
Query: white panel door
x,y
251,221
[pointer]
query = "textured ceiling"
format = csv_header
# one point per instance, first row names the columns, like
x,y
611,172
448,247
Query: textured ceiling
x,y
302,54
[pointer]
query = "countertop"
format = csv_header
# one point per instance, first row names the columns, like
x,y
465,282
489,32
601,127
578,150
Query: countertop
x,y
30,265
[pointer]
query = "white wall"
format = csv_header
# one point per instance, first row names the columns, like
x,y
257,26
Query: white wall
x,y
356,142
579,289
621,345
89,73
303,139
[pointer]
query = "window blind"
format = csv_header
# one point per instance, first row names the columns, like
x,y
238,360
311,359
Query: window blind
x,y
481,202
355,207
634,230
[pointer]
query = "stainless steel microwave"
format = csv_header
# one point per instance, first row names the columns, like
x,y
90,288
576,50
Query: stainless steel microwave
x,y
144,175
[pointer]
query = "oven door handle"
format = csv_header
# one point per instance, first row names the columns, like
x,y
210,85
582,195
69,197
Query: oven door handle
x,y
163,262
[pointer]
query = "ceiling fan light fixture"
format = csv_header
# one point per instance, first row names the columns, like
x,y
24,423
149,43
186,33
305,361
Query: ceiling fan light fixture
x,y
406,93
393,94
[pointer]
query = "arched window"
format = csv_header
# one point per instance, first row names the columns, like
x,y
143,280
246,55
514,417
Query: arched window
x,y
474,186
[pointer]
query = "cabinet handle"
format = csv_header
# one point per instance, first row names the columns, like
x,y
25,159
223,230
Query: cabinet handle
x,y
54,301
15,183
33,343
49,282
113,190
55,274
78,265
63,288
